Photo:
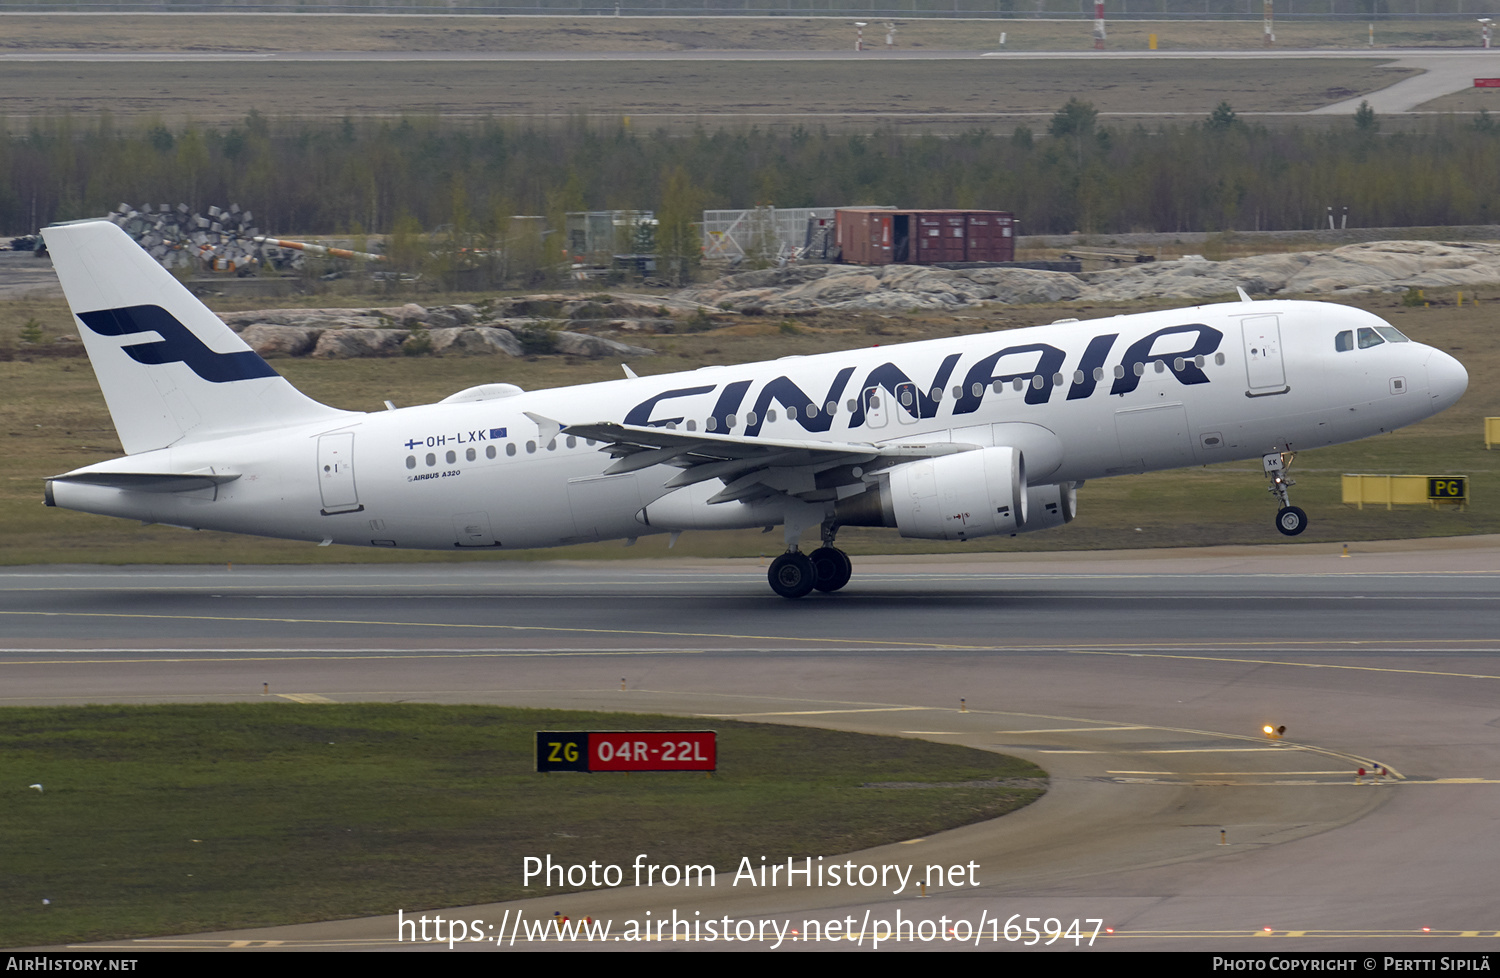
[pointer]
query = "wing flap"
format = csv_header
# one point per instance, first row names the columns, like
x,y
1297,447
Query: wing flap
x,y
711,445
749,467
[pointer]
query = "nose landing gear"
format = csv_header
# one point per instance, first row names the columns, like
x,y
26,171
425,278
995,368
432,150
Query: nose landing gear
x,y
1290,520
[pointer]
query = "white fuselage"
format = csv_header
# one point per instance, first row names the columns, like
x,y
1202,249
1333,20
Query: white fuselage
x,y
1177,388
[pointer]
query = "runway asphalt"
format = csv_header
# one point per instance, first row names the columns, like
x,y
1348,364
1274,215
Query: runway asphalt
x,y
1140,681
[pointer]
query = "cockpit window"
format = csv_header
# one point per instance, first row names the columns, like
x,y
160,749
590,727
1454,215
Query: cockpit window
x,y
1344,342
1368,338
1392,333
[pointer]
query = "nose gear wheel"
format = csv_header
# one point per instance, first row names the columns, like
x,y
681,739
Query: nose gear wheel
x,y
1290,520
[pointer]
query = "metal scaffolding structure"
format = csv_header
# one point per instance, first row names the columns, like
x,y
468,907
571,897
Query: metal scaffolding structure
x,y
599,234
770,234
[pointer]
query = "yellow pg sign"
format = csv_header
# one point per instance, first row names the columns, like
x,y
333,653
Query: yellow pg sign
x,y
1451,487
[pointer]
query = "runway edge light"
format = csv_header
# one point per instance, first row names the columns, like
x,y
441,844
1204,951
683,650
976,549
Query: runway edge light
x,y
1275,733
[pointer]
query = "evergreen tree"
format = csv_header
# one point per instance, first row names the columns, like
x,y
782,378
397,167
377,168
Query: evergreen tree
x,y
1222,118
678,249
1076,119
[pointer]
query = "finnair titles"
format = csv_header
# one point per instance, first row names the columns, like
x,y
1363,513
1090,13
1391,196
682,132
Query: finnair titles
x,y
949,439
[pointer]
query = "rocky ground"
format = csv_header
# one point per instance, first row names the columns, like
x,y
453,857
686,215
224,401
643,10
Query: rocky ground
x,y
583,325
1381,266
516,327
529,325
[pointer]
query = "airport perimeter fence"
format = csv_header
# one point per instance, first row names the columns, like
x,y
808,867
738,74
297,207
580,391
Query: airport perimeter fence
x,y
1357,10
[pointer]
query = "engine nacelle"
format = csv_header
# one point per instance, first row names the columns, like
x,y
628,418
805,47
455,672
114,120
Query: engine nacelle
x,y
1050,506
957,497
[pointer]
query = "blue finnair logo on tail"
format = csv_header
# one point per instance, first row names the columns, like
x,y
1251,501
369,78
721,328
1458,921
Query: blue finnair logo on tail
x,y
178,344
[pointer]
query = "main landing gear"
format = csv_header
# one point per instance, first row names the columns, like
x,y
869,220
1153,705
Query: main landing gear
x,y
795,574
1289,519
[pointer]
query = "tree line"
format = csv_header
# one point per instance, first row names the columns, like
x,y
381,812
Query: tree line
x,y
406,175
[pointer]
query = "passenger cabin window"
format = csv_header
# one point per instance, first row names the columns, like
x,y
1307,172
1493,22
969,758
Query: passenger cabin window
x,y
1368,338
1344,342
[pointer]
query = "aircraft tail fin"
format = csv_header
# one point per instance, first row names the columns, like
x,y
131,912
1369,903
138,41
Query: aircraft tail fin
x,y
171,371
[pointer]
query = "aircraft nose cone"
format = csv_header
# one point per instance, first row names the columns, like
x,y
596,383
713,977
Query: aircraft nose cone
x,y
1446,379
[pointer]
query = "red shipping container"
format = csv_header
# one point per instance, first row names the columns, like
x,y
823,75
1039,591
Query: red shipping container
x,y
870,236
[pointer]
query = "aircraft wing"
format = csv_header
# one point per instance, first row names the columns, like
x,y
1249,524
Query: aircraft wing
x,y
752,467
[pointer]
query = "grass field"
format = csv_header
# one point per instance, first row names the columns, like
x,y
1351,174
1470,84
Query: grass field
x,y
919,94
177,819
1470,100
53,419
223,33
912,96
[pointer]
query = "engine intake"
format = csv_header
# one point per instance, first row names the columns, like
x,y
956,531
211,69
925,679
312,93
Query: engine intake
x,y
951,497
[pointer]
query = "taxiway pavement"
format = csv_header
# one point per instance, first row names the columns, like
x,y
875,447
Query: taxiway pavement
x,y
1140,681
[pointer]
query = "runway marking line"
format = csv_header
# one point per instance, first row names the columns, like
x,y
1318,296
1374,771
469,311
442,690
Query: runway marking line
x,y
329,657
812,713
1206,750
305,698
1184,750
1114,650
1228,774
246,580
1070,730
1299,665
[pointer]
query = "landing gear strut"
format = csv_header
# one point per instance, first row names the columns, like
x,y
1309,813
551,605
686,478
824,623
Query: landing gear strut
x,y
1290,520
827,569
832,565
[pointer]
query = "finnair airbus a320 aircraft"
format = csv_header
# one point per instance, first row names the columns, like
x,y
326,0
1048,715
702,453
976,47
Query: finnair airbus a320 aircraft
x,y
948,439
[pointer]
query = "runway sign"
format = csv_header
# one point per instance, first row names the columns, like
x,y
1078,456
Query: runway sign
x,y
1487,83
627,750
1406,490
1450,489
